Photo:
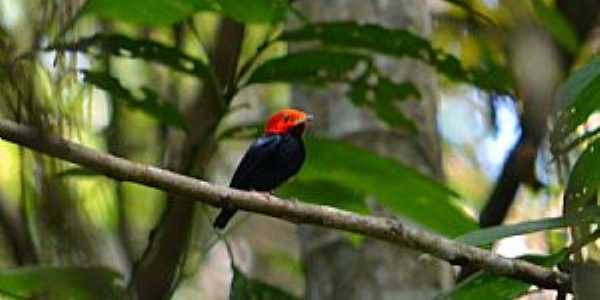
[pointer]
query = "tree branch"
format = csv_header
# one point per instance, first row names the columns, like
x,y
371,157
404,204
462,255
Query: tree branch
x,y
293,211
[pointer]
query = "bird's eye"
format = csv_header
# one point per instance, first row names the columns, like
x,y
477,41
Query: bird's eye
x,y
286,118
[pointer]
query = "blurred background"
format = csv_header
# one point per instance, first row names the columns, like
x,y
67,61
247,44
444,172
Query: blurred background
x,y
439,115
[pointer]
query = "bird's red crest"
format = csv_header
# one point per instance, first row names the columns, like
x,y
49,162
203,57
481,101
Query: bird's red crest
x,y
284,120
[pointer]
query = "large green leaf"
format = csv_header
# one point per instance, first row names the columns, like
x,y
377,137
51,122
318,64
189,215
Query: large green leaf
x,y
165,12
338,174
61,283
584,179
148,50
162,111
491,234
244,288
367,87
325,192
314,67
557,25
482,285
394,42
578,97
143,12
254,11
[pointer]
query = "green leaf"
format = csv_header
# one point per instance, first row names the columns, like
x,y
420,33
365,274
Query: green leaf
x,y
338,174
148,50
398,43
482,285
584,180
244,288
164,112
143,12
61,283
491,234
579,97
379,98
324,192
255,11
367,87
313,67
166,12
77,172
557,25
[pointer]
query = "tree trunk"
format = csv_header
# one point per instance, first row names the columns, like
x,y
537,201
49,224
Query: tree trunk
x,y
334,268
159,268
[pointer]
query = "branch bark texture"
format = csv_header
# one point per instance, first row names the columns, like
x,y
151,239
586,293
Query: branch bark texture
x,y
293,211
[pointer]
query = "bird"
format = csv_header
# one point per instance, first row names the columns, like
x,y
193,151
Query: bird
x,y
272,159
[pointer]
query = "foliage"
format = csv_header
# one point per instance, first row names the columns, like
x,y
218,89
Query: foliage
x,y
466,6
78,283
157,12
337,167
557,25
336,173
148,50
367,87
149,104
582,188
492,287
77,172
489,235
253,11
397,43
579,97
165,12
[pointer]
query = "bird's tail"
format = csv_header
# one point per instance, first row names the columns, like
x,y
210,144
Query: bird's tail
x,y
223,218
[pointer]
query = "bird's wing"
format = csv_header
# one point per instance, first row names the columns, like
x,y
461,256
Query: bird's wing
x,y
261,150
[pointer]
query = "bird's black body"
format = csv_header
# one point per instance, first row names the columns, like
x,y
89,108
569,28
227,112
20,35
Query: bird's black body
x,y
268,163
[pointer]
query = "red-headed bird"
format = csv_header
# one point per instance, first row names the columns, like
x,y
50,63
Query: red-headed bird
x,y
272,159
